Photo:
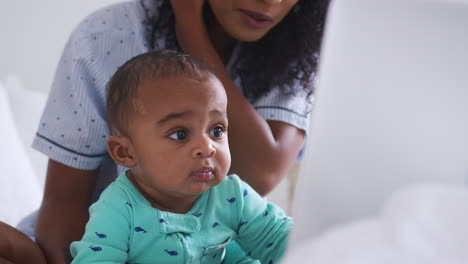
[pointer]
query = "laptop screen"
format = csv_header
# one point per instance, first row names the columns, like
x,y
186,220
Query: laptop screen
x,y
391,109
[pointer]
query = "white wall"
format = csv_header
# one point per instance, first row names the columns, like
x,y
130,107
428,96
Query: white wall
x,y
33,33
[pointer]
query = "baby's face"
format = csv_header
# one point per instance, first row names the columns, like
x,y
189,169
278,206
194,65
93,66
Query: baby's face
x,y
179,137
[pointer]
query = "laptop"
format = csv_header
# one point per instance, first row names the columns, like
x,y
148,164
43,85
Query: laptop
x,y
391,109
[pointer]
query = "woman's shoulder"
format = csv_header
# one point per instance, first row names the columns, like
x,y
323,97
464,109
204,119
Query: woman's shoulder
x,y
111,35
124,18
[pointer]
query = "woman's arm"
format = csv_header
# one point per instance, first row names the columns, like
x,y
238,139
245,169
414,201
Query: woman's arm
x,y
262,151
64,210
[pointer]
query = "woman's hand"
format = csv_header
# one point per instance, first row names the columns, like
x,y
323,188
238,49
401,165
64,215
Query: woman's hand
x,y
261,151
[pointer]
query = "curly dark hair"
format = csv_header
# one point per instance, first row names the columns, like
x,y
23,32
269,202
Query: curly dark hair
x,y
286,55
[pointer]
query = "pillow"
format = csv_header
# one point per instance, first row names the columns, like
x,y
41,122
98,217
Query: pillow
x,y
20,192
27,107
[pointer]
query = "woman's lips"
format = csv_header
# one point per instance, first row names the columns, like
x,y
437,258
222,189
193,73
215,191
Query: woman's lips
x,y
203,174
255,20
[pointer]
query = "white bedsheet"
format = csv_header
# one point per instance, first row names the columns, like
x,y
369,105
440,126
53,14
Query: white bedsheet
x,y
426,223
20,183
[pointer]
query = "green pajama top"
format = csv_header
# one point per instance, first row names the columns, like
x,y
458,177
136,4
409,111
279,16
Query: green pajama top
x,y
124,228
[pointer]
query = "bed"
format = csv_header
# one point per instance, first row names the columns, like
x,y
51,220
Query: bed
x,y
424,223
23,169
419,223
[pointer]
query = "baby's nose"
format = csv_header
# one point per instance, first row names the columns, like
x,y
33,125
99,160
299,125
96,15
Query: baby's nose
x,y
204,149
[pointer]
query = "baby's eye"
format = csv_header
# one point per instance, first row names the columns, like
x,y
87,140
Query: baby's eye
x,y
179,135
217,131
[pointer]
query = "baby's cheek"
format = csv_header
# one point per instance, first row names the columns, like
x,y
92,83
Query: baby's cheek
x,y
226,159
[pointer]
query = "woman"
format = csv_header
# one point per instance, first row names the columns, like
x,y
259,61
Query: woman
x,y
263,51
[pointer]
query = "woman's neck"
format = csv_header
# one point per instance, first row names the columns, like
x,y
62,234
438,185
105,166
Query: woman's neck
x,y
222,42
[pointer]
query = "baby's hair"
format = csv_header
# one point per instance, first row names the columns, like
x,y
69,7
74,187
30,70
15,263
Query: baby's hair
x,y
153,65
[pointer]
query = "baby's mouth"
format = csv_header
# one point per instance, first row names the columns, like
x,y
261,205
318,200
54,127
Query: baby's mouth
x,y
203,174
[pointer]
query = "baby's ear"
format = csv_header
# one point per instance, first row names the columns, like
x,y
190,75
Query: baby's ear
x,y
120,149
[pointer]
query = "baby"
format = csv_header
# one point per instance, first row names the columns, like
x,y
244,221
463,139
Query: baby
x,y
174,203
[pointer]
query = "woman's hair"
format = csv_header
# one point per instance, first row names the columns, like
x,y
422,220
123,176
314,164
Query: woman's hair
x,y
149,66
288,54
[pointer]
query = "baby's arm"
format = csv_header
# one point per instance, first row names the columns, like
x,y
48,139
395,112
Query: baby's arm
x,y
263,227
64,210
107,235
